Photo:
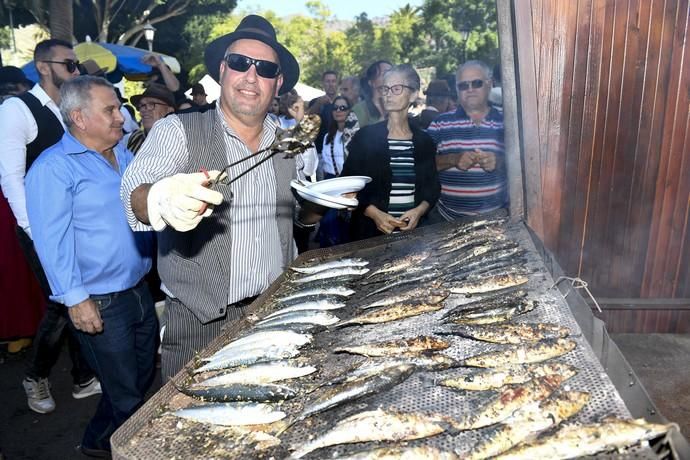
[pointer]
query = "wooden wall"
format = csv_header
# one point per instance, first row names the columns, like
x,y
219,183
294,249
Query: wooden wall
x,y
603,91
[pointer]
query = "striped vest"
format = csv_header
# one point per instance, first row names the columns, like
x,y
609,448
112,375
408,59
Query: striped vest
x,y
195,264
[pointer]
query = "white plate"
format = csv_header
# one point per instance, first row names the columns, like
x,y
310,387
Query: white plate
x,y
335,202
340,185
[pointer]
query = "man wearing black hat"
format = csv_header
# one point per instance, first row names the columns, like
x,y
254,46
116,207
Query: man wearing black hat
x,y
199,95
154,103
438,101
13,82
218,248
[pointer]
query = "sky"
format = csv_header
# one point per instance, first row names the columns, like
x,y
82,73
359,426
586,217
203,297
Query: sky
x,y
342,9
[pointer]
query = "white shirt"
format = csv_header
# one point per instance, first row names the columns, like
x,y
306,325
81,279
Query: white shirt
x,y
338,153
18,129
306,162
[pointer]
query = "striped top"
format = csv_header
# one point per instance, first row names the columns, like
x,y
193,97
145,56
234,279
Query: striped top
x,y
403,177
474,191
255,257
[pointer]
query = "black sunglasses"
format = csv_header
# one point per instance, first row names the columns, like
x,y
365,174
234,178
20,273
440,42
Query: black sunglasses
x,y
242,63
68,63
340,108
465,85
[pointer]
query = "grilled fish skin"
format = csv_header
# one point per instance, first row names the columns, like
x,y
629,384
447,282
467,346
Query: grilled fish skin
x,y
489,260
411,346
376,425
334,273
527,422
489,284
295,327
511,333
430,276
519,354
428,294
240,392
232,414
257,355
340,291
491,301
403,453
511,399
355,389
513,374
392,313
339,263
260,373
273,338
323,305
320,317
497,315
425,362
400,264
580,440
305,299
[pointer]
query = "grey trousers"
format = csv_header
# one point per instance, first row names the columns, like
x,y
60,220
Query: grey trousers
x,y
185,335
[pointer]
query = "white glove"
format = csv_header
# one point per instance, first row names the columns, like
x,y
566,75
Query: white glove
x,y
178,200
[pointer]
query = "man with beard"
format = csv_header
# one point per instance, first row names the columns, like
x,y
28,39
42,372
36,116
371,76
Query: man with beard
x,y
29,124
93,261
214,261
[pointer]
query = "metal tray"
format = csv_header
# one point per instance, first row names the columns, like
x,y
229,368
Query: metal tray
x,y
150,436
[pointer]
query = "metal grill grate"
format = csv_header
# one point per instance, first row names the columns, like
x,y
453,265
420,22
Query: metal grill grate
x,y
148,436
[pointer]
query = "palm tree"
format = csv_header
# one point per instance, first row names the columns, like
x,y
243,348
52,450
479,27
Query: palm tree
x,y
61,19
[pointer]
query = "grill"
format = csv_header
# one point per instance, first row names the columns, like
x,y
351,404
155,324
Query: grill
x,y
150,435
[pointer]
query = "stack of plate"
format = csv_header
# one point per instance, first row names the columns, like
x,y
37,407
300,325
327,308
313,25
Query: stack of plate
x,y
329,192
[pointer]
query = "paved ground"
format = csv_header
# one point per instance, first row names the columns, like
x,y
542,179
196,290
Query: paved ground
x,y
25,434
662,362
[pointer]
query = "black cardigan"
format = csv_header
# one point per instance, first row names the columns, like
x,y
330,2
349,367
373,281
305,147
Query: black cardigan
x,y
368,155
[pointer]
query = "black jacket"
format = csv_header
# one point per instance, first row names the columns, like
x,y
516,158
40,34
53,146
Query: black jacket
x,y
368,155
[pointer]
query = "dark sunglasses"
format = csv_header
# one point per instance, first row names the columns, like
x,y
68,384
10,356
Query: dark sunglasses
x,y
242,63
340,108
68,63
465,85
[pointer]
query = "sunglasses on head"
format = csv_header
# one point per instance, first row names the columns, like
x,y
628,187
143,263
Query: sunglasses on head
x,y
341,108
465,85
68,63
242,63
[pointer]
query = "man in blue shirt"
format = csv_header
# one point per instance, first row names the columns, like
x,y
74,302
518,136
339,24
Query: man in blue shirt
x,y
93,261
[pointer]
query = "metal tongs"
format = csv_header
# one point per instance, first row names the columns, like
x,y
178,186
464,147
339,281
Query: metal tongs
x,y
291,142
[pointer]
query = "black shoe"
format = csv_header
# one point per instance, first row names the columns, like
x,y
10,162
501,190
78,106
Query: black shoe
x,y
94,452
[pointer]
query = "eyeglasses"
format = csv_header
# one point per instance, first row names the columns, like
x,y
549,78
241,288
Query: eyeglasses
x,y
242,63
340,108
68,63
148,105
465,85
395,89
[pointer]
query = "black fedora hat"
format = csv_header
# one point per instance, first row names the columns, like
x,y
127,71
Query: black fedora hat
x,y
253,27
155,91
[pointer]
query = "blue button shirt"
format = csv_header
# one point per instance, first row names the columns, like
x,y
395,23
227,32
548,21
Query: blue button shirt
x,y
78,223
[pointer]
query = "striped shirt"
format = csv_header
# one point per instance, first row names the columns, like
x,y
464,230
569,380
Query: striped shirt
x,y
403,176
255,257
474,191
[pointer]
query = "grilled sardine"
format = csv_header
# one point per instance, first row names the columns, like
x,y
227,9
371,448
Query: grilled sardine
x,y
510,333
516,373
519,354
392,313
397,347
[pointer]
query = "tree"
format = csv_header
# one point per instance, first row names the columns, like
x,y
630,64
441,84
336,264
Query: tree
x,y
61,19
442,22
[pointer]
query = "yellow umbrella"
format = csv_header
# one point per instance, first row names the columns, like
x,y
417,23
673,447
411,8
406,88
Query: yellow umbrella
x,y
103,57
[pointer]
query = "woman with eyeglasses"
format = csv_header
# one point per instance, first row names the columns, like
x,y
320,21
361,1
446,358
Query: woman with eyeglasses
x,y
400,159
333,228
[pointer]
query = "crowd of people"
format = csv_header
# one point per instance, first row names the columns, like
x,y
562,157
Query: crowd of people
x,y
95,196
